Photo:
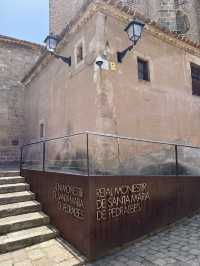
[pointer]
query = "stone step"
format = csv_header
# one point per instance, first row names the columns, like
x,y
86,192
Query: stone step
x,y
11,180
19,208
24,238
9,173
14,187
16,197
23,221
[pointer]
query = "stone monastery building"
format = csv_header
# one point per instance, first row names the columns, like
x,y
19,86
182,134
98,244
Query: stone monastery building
x,y
154,93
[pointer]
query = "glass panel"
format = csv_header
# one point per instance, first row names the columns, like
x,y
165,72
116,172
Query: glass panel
x,y
143,70
103,154
141,75
109,155
113,156
189,161
140,65
137,31
32,157
130,32
51,43
67,155
143,158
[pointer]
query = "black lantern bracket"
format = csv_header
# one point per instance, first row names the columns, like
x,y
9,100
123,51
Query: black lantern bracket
x,y
51,44
134,31
122,54
67,60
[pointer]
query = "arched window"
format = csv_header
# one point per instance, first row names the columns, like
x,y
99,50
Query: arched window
x,y
182,22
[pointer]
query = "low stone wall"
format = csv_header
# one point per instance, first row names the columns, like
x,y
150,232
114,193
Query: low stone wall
x,y
98,213
9,156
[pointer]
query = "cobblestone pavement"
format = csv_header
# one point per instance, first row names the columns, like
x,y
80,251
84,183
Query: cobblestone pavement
x,y
49,253
178,245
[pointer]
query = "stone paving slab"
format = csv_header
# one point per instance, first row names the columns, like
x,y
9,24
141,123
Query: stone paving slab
x,y
50,253
179,245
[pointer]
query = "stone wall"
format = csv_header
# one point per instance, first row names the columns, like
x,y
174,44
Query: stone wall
x,y
82,98
156,109
58,93
15,60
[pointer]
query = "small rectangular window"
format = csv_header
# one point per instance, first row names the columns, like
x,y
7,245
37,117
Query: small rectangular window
x,y
143,70
195,72
42,130
79,53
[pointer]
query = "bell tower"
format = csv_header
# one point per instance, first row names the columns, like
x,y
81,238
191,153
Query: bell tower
x,y
167,14
181,16
187,18
61,12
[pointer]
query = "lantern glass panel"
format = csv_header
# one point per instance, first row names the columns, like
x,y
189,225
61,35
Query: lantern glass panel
x,y
130,32
137,31
51,43
134,30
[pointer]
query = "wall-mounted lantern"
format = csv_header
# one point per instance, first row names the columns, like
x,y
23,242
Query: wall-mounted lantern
x,y
51,44
134,31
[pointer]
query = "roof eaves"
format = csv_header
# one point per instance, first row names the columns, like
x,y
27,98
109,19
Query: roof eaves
x,y
27,44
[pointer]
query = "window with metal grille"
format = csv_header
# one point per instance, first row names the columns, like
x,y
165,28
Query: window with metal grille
x,y
182,22
143,69
195,71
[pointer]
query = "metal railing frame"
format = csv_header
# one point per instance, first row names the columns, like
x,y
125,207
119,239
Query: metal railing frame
x,y
118,137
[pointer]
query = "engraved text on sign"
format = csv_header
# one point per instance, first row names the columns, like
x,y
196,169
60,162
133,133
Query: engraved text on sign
x,y
69,199
116,201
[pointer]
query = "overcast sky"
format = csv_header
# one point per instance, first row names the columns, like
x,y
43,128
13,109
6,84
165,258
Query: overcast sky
x,y
24,19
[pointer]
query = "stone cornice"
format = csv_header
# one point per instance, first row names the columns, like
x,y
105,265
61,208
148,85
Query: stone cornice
x,y
123,13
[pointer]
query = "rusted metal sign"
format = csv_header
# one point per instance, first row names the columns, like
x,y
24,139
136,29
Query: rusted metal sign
x,y
98,213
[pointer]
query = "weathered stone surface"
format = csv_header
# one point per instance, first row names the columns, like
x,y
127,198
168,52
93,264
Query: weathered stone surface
x,y
8,173
21,224
23,238
16,58
163,11
40,255
19,208
23,221
8,188
11,180
16,197
115,102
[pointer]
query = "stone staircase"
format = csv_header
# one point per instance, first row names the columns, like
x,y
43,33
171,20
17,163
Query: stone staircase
x,y
21,221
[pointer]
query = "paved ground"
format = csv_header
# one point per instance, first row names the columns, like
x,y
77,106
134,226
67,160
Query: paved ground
x,y
49,253
176,246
